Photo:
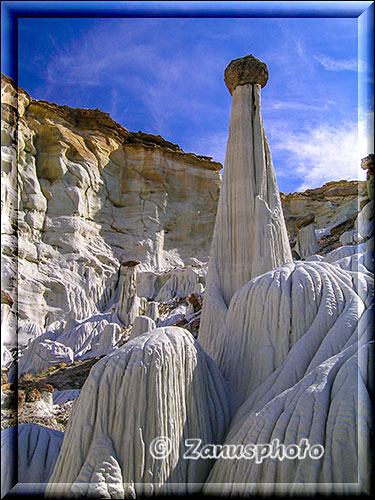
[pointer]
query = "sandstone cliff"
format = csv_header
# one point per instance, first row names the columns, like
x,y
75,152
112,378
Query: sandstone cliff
x,y
332,209
80,194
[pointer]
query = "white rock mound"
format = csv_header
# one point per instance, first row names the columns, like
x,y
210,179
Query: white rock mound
x,y
6,357
326,405
159,384
358,258
49,353
38,448
316,302
26,361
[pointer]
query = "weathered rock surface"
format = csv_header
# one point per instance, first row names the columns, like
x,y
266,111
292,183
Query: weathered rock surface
x,y
368,165
142,324
250,236
28,455
317,387
294,344
329,407
6,357
307,244
334,207
49,353
245,70
60,397
96,203
128,304
93,337
162,287
26,361
182,395
114,195
271,313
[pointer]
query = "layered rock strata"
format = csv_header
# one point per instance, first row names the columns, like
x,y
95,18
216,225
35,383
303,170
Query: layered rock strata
x,y
334,206
60,175
250,236
80,195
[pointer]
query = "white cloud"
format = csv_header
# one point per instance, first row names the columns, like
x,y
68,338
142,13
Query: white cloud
x,y
366,133
337,64
277,105
321,154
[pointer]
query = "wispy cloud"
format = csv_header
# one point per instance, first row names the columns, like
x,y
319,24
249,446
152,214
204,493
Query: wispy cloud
x,y
128,60
320,154
337,64
277,105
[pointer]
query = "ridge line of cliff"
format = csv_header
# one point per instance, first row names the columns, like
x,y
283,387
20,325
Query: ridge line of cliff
x,y
95,119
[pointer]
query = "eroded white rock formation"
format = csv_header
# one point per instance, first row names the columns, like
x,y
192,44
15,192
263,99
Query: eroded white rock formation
x,y
159,384
6,357
292,340
26,361
114,195
96,336
294,344
315,304
307,243
142,324
28,456
250,236
49,353
319,393
128,304
60,397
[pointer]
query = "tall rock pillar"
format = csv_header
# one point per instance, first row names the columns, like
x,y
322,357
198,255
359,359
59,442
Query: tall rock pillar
x,y
250,236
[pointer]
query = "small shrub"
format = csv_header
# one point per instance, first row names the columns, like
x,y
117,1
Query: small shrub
x,y
27,377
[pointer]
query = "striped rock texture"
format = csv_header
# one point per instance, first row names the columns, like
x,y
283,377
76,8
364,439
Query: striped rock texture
x,y
38,449
297,357
250,236
316,303
159,384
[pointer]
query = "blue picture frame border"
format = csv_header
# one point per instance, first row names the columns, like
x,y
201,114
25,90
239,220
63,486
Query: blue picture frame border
x,y
13,10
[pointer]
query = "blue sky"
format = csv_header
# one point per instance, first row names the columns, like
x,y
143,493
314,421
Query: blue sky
x,y
165,76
